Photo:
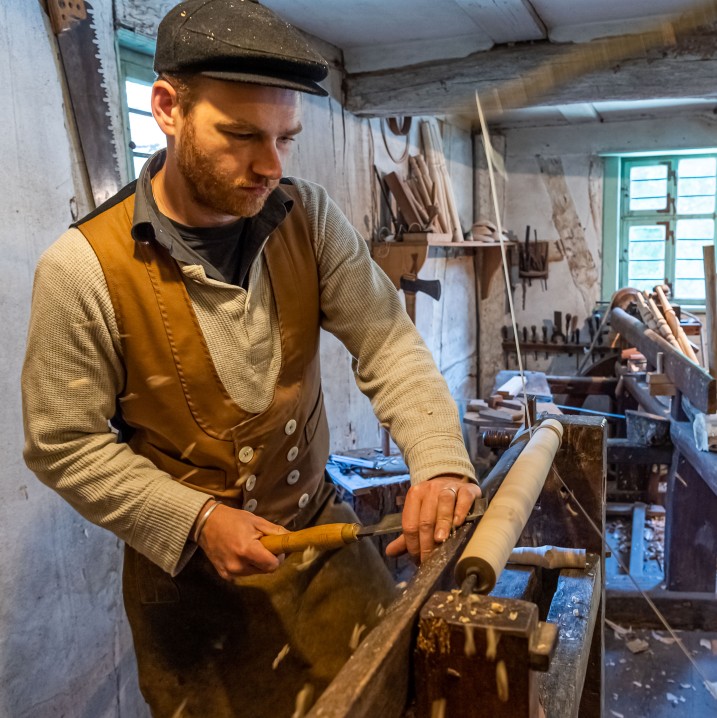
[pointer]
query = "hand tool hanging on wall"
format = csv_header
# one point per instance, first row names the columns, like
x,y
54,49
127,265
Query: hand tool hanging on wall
x,y
84,75
411,285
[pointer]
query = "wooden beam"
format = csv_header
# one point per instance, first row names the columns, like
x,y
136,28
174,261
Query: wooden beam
x,y
582,385
686,69
696,384
624,451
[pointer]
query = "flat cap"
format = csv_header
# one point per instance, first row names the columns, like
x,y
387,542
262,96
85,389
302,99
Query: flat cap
x,y
238,40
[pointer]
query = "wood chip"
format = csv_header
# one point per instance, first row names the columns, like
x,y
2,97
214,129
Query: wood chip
x,y
356,636
304,699
616,714
705,644
497,607
492,640
637,645
501,681
280,657
667,640
672,698
469,645
307,558
180,709
188,450
619,630
155,381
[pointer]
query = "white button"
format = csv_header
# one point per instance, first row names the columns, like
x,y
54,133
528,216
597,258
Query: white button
x,y
303,500
293,453
246,454
293,477
290,427
250,505
250,482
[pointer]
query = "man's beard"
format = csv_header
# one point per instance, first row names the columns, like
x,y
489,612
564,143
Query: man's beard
x,y
213,189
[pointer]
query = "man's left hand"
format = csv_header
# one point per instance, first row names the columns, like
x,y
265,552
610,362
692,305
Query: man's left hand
x,y
431,510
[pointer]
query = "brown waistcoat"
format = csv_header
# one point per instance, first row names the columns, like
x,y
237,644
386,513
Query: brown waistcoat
x,y
184,420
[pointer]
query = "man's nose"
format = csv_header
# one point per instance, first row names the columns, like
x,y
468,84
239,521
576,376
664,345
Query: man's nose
x,y
267,162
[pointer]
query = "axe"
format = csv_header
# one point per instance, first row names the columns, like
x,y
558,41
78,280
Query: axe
x,y
411,284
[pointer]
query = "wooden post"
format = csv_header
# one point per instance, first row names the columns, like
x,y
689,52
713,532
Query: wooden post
x,y
708,252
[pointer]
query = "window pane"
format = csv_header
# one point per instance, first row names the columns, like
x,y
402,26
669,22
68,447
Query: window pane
x,y
647,233
689,269
145,133
644,172
138,163
647,250
648,187
690,249
696,205
138,95
697,167
689,288
644,285
643,269
696,186
695,229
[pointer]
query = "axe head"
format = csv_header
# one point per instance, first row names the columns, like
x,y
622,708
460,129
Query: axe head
x,y
412,284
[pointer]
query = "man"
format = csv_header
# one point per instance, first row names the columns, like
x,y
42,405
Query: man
x,y
187,309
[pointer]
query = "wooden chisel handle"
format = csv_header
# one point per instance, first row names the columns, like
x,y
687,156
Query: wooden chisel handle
x,y
326,536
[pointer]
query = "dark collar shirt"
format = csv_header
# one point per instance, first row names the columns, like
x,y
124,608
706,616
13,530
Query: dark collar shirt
x,y
227,252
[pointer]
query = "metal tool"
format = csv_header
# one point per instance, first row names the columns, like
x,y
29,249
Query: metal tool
x,y
411,285
79,50
332,536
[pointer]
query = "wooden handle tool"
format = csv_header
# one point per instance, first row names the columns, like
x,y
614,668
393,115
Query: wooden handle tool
x,y
322,538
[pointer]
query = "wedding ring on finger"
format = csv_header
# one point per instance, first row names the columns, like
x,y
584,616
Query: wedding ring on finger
x,y
452,490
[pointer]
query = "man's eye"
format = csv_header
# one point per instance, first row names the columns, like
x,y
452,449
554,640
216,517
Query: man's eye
x,y
240,135
286,140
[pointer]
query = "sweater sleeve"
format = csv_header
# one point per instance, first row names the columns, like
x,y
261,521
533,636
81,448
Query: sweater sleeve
x,y
71,377
392,365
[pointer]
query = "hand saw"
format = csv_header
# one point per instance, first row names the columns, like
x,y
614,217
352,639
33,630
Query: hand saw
x,y
84,74
331,536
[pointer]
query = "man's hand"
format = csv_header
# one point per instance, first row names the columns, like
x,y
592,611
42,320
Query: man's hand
x,y
230,538
431,510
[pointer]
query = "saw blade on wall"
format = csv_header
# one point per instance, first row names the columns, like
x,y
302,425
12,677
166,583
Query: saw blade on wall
x,y
79,51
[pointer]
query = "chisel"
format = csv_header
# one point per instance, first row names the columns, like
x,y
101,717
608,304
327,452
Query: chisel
x,y
331,536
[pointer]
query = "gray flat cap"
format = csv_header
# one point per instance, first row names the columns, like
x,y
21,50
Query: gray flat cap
x,y
237,40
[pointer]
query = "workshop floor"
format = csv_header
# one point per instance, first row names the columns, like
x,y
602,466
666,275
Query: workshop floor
x,y
659,681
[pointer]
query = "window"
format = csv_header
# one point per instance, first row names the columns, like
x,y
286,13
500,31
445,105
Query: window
x,y
143,136
665,215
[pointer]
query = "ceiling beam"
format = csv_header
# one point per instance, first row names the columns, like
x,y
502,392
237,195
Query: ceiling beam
x,y
686,69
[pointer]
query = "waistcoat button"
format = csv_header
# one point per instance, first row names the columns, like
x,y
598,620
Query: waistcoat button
x,y
303,500
293,453
246,454
290,427
250,482
250,505
293,477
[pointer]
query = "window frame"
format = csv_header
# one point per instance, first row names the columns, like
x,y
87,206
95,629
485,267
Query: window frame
x,y
135,55
617,219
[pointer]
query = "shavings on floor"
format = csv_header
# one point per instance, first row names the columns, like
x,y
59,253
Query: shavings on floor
x,y
637,645
280,657
620,631
667,640
616,714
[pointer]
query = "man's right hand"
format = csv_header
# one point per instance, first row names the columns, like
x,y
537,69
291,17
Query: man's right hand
x,y
230,539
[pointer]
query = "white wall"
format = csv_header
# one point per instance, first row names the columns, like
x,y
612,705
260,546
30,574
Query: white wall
x,y
528,201
64,645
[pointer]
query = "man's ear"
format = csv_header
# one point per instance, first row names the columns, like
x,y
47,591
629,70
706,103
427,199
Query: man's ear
x,y
165,107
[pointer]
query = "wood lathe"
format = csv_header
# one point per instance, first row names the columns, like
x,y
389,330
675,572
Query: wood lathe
x,y
531,644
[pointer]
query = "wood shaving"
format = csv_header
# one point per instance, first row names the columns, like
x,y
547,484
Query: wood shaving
x,y
469,645
667,640
155,381
307,558
380,610
188,475
77,383
356,636
497,607
571,510
188,450
637,645
280,657
705,644
616,714
450,598
304,698
464,619
501,681
672,698
711,687
492,640
512,615
180,709
129,397
438,708
401,585
619,630
453,672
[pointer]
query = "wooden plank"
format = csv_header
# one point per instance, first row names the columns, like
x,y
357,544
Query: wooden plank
x,y
637,540
683,610
624,451
708,253
582,385
576,591
447,86
696,384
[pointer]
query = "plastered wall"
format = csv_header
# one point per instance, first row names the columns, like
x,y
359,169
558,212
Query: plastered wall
x,y
64,643
555,185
